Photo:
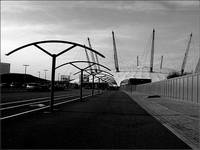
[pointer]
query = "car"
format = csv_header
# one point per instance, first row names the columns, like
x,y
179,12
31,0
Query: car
x,y
16,85
4,85
44,87
33,86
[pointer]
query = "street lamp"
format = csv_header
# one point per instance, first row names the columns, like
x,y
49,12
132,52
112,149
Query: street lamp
x,y
38,74
45,75
58,76
25,66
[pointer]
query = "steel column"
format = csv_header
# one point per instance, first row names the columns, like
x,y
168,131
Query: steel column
x,y
81,86
52,82
92,84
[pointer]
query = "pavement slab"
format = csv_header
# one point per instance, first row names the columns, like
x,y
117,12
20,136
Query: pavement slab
x,y
180,117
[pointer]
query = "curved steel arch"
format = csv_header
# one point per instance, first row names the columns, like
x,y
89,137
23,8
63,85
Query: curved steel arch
x,y
95,70
106,75
109,75
72,62
108,78
54,56
100,71
105,80
54,41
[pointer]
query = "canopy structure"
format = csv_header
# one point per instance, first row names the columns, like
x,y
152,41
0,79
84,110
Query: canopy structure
x,y
54,56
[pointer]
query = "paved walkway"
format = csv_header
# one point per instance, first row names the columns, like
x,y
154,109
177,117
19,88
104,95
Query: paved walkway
x,y
111,120
181,118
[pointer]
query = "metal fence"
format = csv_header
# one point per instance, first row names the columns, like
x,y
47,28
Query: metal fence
x,y
185,88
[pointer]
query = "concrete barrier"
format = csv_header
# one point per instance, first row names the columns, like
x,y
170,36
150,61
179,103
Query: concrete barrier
x,y
184,88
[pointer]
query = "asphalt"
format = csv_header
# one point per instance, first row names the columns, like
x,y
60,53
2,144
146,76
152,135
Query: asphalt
x,y
108,121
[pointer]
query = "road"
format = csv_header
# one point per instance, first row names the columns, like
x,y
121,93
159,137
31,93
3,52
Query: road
x,y
16,96
110,120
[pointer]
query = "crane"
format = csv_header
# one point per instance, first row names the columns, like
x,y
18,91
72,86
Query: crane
x,y
186,55
115,53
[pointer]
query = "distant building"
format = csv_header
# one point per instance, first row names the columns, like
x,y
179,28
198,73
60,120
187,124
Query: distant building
x,y
4,68
65,78
85,78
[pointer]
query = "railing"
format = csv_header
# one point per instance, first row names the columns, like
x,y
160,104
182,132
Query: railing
x,y
185,88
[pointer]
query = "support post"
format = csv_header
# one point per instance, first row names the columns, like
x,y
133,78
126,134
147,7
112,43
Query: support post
x,y
92,84
52,81
152,52
161,62
81,86
115,53
99,86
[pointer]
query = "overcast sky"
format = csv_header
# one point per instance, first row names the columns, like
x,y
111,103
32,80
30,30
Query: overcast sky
x,y
23,22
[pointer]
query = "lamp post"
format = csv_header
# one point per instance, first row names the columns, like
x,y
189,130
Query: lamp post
x,y
93,83
25,66
38,74
58,76
45,74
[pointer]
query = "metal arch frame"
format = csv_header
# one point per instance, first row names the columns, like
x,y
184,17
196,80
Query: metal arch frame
x,y
101,71
81,71
54,41
105,80
94,75
104,75
95,70
108,76
100,78
92,63
54,56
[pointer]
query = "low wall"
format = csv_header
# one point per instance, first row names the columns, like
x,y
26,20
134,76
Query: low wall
x,y
185,88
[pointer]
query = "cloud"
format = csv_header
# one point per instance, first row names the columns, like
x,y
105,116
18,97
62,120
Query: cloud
x,y
132,22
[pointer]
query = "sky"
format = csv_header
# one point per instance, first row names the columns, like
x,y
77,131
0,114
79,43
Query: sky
x,y
24,22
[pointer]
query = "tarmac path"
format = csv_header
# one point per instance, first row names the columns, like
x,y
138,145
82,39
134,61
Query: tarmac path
x,y
110,120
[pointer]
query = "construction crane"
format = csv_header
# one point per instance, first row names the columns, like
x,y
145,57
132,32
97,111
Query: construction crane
x,y
115,53
186,55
